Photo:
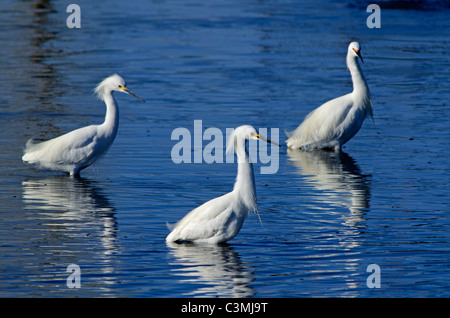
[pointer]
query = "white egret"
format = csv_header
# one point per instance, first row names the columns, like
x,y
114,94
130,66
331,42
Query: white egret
x,y
220,219
338,120
80,148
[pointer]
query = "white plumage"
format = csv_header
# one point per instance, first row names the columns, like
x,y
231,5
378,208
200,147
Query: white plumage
x,y
220,219
80,148
338,120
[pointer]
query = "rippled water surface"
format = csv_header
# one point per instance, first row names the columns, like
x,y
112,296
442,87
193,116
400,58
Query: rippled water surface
x,y
325,217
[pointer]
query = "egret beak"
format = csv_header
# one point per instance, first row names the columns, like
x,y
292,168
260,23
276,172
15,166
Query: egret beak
x,y
266,140
358,52
126,90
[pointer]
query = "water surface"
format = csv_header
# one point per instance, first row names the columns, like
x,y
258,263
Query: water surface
x,y
325,216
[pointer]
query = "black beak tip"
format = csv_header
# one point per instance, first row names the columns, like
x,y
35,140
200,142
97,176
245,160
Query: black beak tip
x,y
360,56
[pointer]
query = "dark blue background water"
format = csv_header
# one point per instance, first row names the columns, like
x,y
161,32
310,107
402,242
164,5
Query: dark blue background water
x,y
325,217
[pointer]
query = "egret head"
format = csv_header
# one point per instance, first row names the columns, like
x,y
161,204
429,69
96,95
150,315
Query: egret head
x,y
355,49
245,132
113,83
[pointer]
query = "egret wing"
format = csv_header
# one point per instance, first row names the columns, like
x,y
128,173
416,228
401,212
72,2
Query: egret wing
x,y
204,221
323,124
70,148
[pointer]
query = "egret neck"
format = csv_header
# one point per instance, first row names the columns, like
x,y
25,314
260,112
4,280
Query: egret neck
x,y
245,180
360,88
111,123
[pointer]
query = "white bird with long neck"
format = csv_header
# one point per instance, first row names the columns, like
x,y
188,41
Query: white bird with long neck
x,y
80,148
334,123
220,219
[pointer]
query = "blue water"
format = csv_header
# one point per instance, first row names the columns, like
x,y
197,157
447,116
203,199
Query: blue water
x,y
324,217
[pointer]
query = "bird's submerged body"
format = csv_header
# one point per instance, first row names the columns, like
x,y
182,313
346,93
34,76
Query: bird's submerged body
x,y
329,126
214,222
80,148
334,123
221,219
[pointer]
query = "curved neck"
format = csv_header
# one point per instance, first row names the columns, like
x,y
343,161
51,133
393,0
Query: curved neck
x,y
359,82
111,122
245,179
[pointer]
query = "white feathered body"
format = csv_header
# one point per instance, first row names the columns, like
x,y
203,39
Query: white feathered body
x,y
332,124
79,148
224,220
71,152
220,219
338,120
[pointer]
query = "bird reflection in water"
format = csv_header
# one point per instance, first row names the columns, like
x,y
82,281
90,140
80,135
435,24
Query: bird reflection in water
x,y
218,270
338,185
72,207
338,180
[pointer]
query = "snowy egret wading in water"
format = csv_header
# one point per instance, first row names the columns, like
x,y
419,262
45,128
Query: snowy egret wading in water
x,y
80,148
220,219
338,120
